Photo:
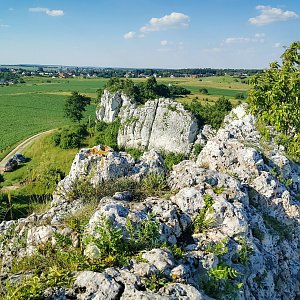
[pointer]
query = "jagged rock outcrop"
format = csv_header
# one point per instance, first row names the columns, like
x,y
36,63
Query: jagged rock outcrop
x,y
161,124
234,212
100,163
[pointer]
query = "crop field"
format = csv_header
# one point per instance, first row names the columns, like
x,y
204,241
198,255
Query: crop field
x,y
37,105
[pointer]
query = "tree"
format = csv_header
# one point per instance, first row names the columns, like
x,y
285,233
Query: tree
x,y
275,97
75,106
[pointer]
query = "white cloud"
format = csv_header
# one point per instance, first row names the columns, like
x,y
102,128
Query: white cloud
x,y
4,25
270,14
11,9
172,21
164,43
258,38
237,40
132,34
49,12
129,35
55,12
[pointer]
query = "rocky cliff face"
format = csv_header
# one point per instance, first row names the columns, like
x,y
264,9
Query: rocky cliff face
x,y
160,124
234,213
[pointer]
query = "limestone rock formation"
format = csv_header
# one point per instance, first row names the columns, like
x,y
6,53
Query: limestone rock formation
x,y
162,124
101,163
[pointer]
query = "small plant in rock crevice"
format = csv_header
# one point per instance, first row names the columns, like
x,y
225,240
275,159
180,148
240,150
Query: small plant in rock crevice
x,y
244,251
200,222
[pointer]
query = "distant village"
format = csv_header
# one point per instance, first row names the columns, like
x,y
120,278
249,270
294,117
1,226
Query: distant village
x,y
15,74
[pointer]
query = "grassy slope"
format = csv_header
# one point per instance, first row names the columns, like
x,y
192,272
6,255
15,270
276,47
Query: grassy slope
x,y
42,154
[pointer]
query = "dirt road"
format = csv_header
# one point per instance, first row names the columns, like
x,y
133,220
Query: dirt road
x,y
21,147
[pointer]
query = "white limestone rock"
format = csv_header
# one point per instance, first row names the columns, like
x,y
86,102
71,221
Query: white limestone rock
x,y
97,286
110,105
162,124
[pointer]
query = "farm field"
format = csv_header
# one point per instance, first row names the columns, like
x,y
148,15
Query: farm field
x,y
37,105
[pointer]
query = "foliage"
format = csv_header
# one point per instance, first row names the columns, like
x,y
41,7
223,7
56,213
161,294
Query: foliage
x,y
218,248
210,114
149,89
46,175
200,222
177,251
171,159
178,91
143,235
274,97
223,272
218,189
53,265
203,91
109,242
84,190
240,96
244,252
197,149
155,282
70,137
154,184
134,152
107,133
221,282
75,105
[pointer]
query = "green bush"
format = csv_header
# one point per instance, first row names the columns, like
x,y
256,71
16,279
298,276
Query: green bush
x,y
210,114
203,91
144,91
107,133
70,137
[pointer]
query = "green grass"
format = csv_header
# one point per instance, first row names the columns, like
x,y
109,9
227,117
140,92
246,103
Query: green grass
x,y
38,106
31,195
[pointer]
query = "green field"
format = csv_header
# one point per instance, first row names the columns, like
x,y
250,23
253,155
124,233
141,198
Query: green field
x,y
37,105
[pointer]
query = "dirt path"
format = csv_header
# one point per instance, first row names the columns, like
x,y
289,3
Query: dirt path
x,y
21,147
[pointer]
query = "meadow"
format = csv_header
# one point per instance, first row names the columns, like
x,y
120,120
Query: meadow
x,y
37,105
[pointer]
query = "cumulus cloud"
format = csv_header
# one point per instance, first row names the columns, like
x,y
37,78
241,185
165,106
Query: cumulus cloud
x,y
258,38
270,14
132,35
49,12
129,35
172,21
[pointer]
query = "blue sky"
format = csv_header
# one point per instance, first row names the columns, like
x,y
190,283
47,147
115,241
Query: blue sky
x,y
147,33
